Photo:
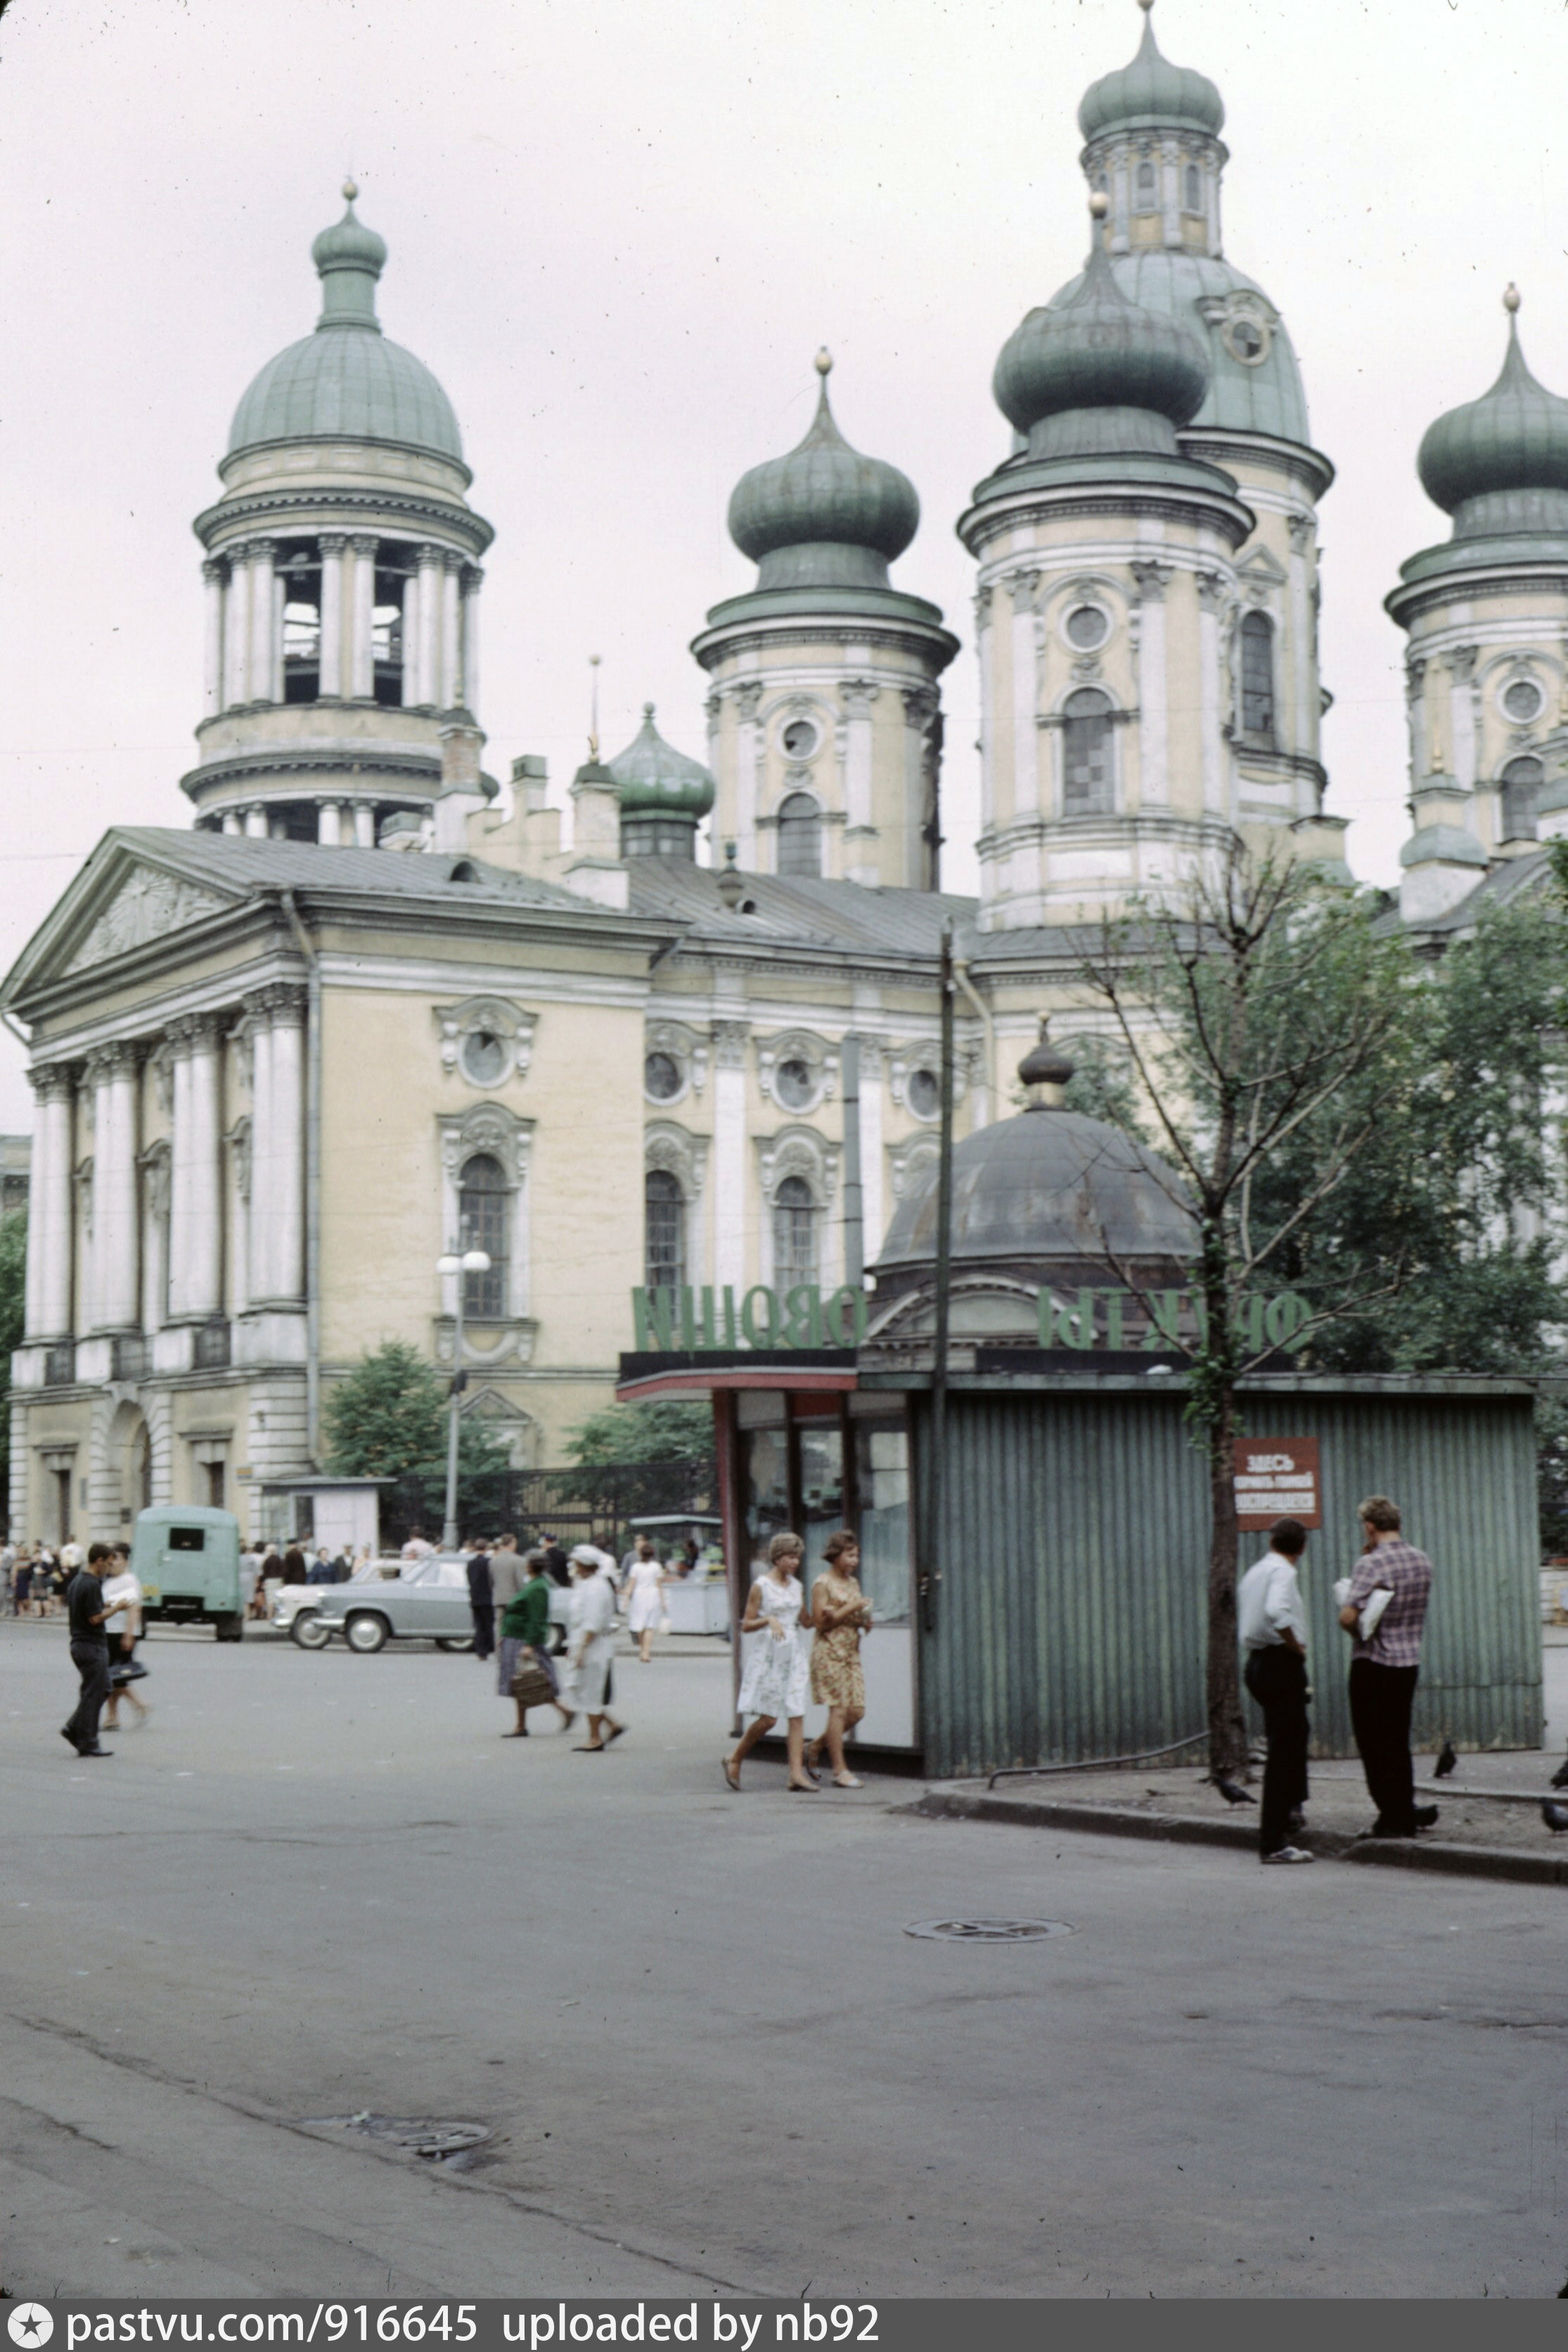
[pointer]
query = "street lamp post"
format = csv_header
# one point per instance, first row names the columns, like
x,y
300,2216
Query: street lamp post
x,y
461,1262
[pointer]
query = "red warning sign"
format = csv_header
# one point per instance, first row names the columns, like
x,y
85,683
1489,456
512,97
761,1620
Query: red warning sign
x,y
1277,1478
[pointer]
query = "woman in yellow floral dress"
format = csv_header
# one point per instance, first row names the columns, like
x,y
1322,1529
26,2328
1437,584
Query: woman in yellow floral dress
x,y
841,1615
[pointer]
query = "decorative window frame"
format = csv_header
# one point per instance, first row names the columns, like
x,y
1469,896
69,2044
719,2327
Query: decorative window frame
x,y
498,1016
820,1057
488,1126
798,1151
675,1151
911,1162
906,1060
686,1048
1519,671
1258,600
503,1418
1227,312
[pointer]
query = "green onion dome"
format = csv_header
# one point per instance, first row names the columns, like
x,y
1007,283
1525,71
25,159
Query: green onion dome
x,y
1094,371
347,382
657,779
824,515
1499,464
1150,93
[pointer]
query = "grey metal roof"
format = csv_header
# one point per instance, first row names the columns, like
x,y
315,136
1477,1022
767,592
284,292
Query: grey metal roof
x,y
1511,877
237,862
842,916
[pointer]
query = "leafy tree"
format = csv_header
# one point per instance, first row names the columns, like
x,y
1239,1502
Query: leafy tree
x,y
1256,1008
1101,1084
643,1458
389,1420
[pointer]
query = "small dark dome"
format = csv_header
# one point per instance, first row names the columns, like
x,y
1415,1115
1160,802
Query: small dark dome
x,y
1065,1190
1098,351
1045,1064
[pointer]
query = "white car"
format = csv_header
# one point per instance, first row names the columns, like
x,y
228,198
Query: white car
x,y
291,1600
398,1600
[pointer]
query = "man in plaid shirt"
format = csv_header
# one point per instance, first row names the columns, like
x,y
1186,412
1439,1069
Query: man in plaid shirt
x,y
1384,1667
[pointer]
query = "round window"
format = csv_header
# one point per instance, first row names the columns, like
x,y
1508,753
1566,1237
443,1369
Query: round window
x,y
799,739
1247,338
1523,699
484,1057
793,1084
924,1092
661,1077
1087,628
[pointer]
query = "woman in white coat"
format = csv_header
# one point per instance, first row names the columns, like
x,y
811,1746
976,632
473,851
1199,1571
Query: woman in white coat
x,y
776,1672
644,1594
590,1647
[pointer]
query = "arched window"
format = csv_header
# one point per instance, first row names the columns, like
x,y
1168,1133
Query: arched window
x,y
1521,782
482,1204
800,835
1145,197
1086,754
794,1234
664,1231
1258,676
1194,190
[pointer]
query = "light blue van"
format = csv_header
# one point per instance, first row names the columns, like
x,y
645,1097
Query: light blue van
x,y
188,1563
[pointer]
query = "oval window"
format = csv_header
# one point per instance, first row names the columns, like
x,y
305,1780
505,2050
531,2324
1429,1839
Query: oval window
x,y
1523,700
924,1092
484,1055
1087,628
799,739
661,1077
793,1084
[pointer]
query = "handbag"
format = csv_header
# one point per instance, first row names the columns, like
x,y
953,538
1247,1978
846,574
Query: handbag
x,y
531,1686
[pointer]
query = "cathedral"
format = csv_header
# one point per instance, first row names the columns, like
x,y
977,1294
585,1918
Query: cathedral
x,y
372,998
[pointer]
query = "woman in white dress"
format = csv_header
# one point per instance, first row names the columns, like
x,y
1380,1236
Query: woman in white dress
x,y
590,1647
776,1672
644,1594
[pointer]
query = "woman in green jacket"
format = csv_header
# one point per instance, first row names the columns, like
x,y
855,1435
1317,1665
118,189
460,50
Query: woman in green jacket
x,y
524,1633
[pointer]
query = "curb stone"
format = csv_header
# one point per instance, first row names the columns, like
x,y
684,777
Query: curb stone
x,y
1111,1820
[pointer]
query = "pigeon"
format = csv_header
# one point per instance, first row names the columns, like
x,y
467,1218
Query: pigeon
x,y
1560,1778
1446,1761
1235,1796
1554,1816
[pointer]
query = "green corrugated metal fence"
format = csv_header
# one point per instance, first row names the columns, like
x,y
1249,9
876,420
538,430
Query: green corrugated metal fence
x,y
1074,1545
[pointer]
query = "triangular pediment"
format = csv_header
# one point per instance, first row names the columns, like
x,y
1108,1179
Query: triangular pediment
x,y
1261,565
150,904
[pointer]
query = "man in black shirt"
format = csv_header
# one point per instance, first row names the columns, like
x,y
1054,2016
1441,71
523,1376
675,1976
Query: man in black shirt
x,y
558,1571
87,1610
481,1599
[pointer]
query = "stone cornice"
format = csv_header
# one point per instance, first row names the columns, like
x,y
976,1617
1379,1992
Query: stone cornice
x,y
991,518
1217,445
1491,578
419,513
246,769
752,634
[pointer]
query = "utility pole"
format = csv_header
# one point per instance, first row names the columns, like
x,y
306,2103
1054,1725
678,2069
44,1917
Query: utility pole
x,y
461,1262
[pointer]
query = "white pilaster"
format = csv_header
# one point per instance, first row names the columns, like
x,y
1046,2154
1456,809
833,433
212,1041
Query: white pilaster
x,y
1211,595
410,640
983,639
1462,714
288,1117
871,1196
1304,732
1026,699
263,622
212,637
1153,733
116,1270
259,1281
362,656
331,682
730,1188
748,766
280,598
156,1177
430,574
858,695
195,1201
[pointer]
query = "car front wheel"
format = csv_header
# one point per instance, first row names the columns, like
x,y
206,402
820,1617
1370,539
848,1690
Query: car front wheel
x,y
308,1631
366,1632
459,1642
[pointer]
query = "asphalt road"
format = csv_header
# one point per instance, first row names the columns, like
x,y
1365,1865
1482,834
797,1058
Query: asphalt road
x,y
709,2054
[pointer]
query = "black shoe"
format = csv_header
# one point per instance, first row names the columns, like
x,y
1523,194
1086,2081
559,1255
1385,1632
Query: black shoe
x,y
69,1736
95,1752
1425,1817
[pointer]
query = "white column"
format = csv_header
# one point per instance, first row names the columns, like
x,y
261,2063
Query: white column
x,y
331,685
259,1283
731,1191
288,1113
1211,596
871,1208
154,1240
49,1207
280,598
263,621
429,624
115,1256
858,695
410,639
451,687
236,630
1153,731
365,825
1462,713
1026,699
212,661
362,656
256,823
195,1201
329,824
233,821
469,693
982,602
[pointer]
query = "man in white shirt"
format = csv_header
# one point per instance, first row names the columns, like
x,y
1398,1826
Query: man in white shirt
x,y
1272,1624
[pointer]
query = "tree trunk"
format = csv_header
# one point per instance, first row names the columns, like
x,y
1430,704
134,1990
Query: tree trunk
x,y
1226,1724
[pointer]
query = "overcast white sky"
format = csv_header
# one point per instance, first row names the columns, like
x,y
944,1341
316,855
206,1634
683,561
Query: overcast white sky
x,y
618,231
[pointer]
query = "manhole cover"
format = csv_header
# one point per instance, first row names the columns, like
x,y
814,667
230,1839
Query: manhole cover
x,y
433,2138
991,1931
